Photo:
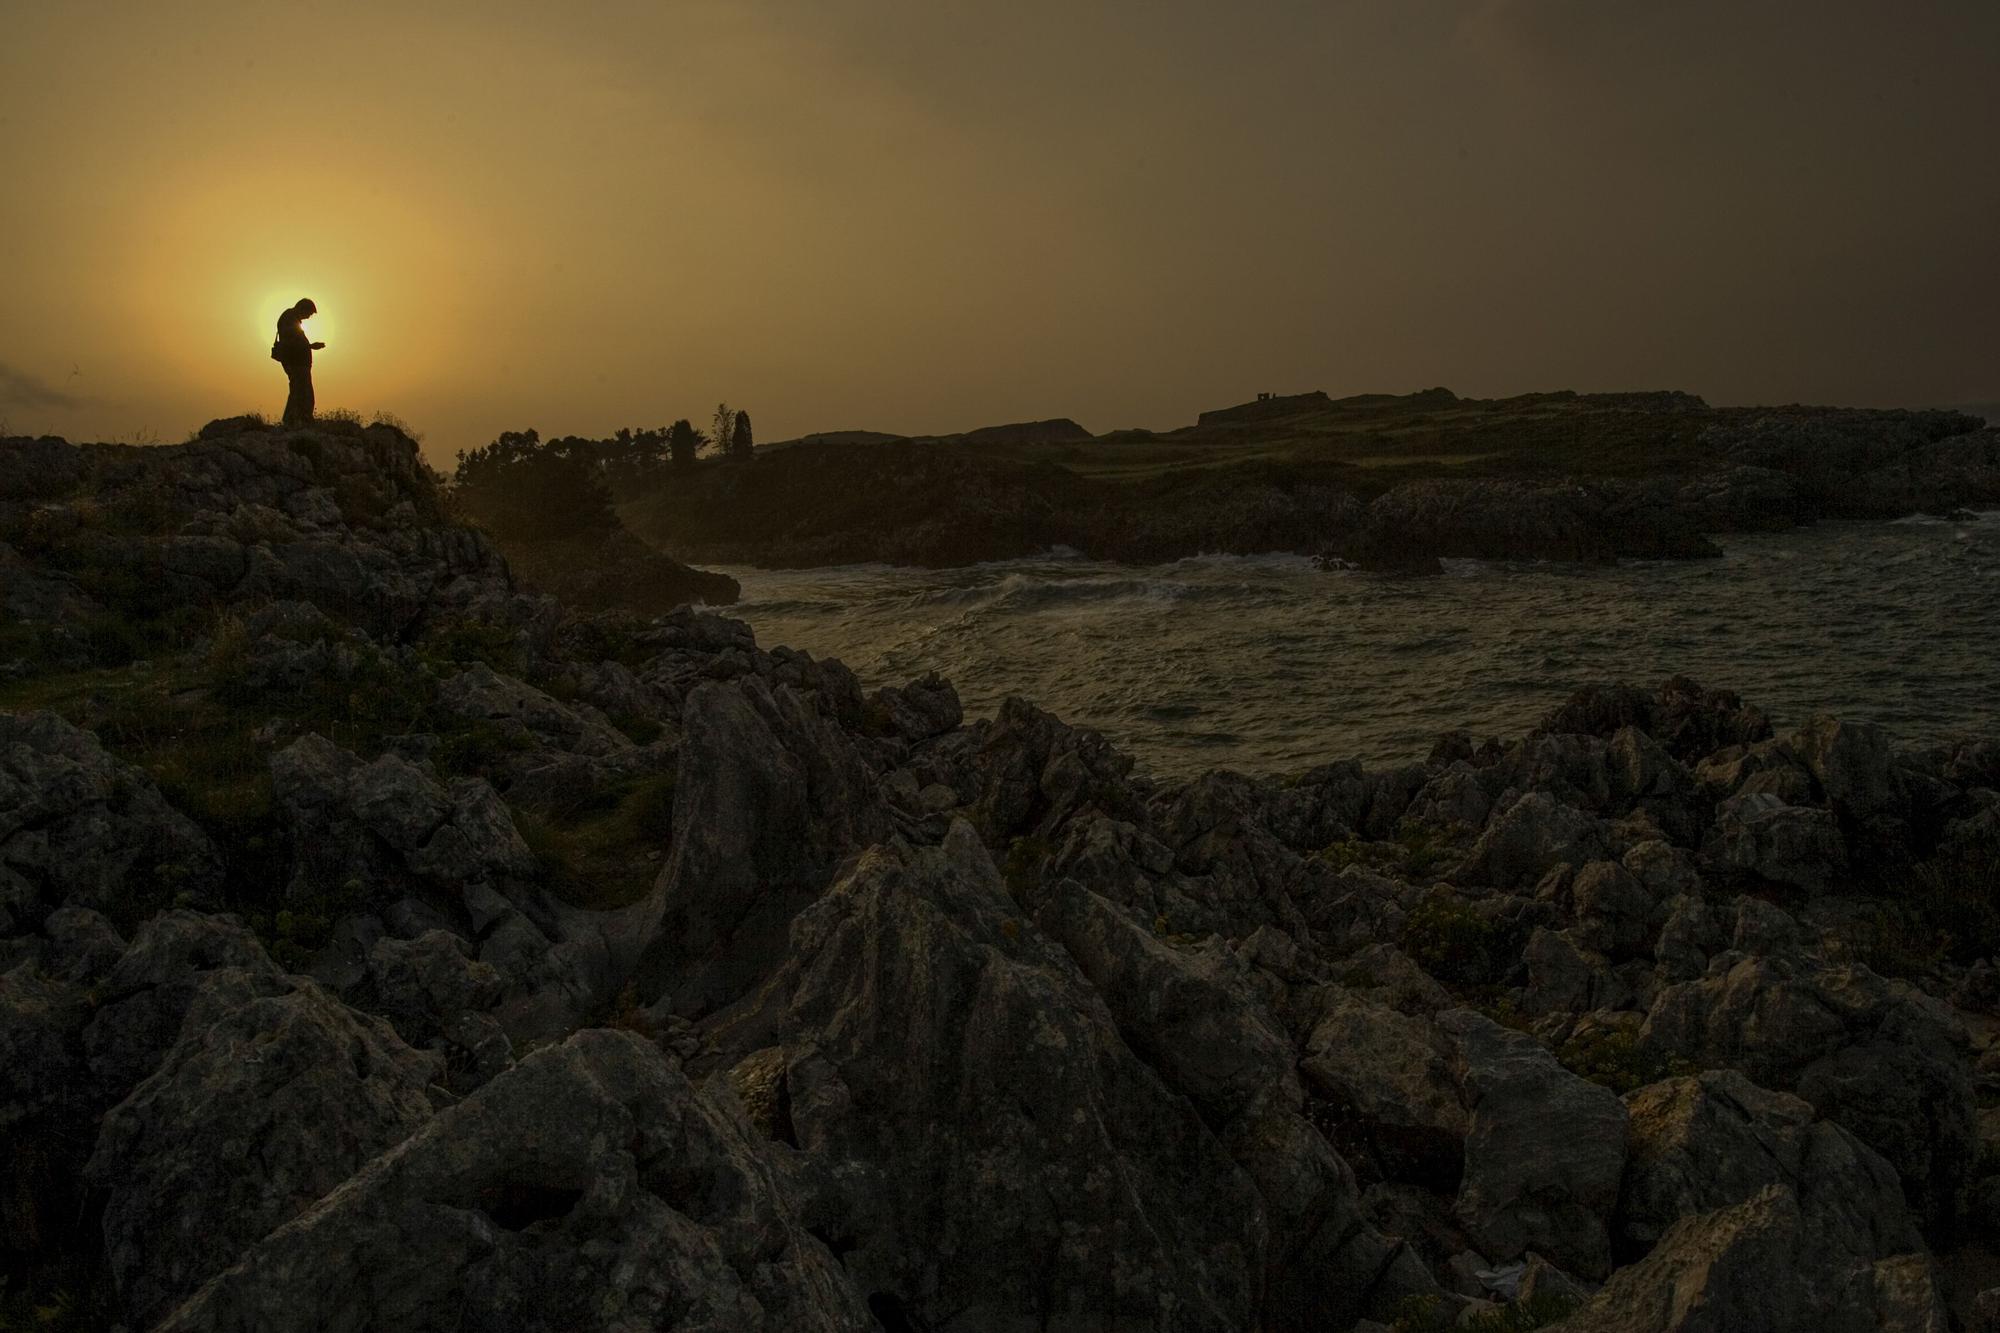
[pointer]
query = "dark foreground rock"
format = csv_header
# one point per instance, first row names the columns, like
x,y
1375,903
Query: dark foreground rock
x,y
383,946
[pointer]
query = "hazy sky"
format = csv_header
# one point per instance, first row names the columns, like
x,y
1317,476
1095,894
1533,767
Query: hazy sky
x,y
924,215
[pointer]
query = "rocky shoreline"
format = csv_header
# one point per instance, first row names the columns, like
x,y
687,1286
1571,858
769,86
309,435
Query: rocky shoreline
x,y
383,944
1377,483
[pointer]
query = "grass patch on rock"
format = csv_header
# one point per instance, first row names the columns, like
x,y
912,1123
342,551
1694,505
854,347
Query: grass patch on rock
x,y
609,852
1449,939
1616,1059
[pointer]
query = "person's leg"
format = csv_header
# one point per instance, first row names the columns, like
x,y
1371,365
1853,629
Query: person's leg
x,y
299,401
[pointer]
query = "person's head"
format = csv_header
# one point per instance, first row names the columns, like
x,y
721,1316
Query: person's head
x,y
305,309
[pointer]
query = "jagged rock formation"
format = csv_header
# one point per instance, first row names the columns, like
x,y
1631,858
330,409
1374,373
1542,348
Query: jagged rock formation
x,y
384,946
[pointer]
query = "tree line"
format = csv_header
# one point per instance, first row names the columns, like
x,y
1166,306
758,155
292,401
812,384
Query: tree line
x,y
521,485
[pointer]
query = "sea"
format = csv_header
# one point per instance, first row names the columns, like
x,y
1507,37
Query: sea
x,y
1266,665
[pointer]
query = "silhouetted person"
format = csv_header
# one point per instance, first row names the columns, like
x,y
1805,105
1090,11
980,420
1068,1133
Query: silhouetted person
x,y
295,354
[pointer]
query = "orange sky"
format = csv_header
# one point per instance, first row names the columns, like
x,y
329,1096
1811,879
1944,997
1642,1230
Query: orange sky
x,y
926,215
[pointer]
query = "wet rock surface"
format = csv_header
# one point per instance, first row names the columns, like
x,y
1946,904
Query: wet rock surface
x,y
383,946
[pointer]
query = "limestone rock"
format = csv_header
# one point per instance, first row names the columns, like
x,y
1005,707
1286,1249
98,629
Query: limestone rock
x,y
1698,1144
1528,838
293,1086
1800,846
79,828
1384,1083
1544,1153
527,715
1740,1267
1687,719
1615,915
420,984
1076,1188
769,794
1878,1058
1768,768
147,993
921,709
1036,771
1850,762
390,828
588,1186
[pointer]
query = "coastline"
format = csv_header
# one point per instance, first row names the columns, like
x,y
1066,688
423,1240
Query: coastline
x,y
1380,483
623,951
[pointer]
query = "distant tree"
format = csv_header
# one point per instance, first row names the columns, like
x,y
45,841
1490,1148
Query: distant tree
x,y
521,487
630,456
740,443
723,428
683,443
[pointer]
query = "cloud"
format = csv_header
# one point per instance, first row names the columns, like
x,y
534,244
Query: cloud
x,y
20,389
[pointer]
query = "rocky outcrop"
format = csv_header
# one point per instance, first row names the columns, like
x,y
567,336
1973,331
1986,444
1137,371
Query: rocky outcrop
x,y
489,964
775,793
1387,1086
80,829
1880,1059
1717,1140
915,995
1740,1267
293,1082
1412,527
1544,1150
388,826
591,1183
1795,845
342,516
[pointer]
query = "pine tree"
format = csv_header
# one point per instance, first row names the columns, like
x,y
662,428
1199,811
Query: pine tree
x,y
740,443
683,443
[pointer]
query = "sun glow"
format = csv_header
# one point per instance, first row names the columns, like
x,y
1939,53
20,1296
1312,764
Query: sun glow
x,y
207,276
